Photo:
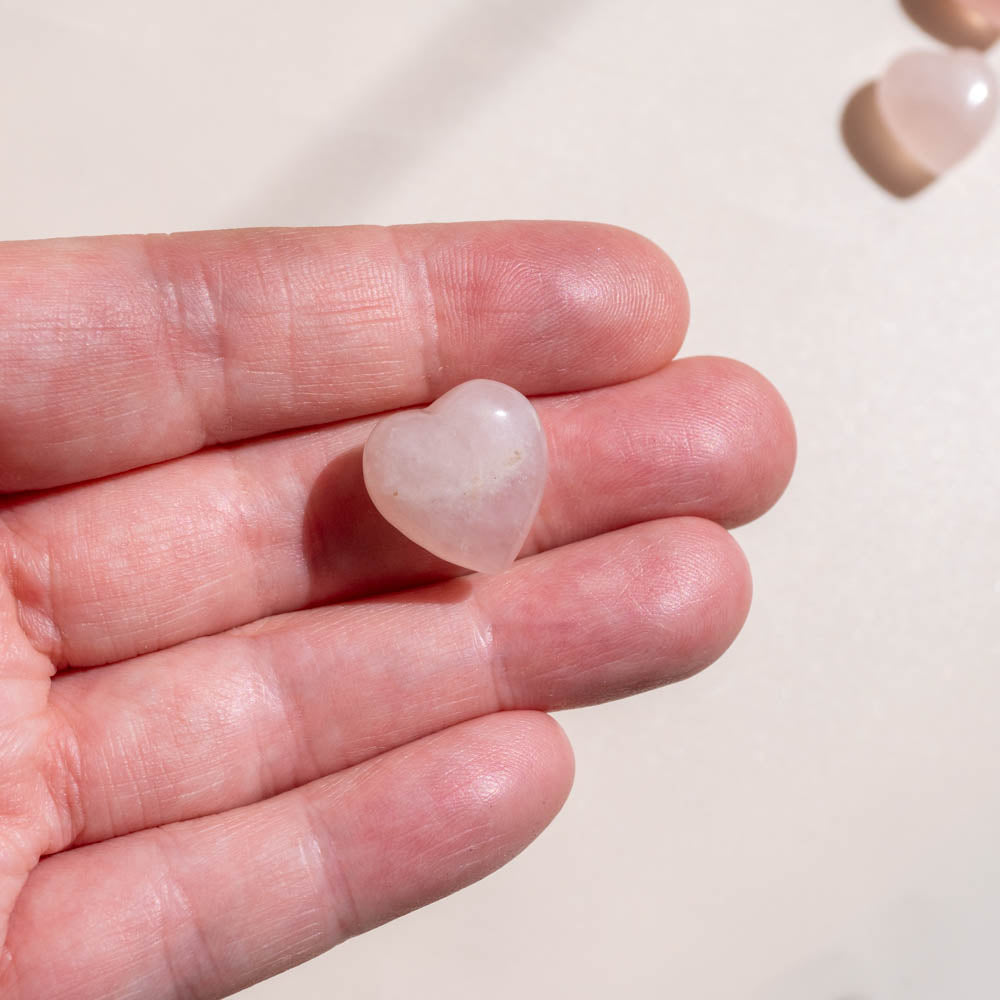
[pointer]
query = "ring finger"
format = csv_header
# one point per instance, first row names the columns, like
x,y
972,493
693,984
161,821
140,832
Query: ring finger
x,y
228,720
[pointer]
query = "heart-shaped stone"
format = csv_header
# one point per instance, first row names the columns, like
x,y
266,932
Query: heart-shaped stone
x,y
939,105
463,477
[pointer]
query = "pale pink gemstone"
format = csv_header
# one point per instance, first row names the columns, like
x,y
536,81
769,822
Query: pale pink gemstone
x,y
463,477
990,9
939,105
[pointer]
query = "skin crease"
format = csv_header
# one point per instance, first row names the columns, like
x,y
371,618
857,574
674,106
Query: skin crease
x,y
296,724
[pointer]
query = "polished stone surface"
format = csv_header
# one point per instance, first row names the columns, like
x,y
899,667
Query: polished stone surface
x,y
939,104
463,477
989,9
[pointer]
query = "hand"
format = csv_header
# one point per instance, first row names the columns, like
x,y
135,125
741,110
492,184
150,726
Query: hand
x,y
296,724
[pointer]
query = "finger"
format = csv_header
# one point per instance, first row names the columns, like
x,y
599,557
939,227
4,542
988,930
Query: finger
x,y
194,547
206,907
228,720
121,351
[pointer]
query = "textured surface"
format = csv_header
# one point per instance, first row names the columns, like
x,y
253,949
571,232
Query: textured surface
x,y
939,104
464,476
817,816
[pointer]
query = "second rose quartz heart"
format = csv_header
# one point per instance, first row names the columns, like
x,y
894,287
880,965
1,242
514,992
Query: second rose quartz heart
x,y
939,104
463,477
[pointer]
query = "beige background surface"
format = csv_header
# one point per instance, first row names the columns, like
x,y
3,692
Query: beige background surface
x,y
817,817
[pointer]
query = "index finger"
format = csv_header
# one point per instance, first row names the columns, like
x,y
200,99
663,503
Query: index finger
x,y
117,352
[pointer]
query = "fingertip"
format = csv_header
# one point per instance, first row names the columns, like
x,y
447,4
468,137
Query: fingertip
x,y
701,584
740,437
550,306
648,302
769,437
557,752
533,755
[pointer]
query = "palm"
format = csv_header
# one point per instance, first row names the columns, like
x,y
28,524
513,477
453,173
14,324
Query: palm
x,y
298,724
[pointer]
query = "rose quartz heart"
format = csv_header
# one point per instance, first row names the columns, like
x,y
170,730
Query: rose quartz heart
x,y
989,9
939,105
463,477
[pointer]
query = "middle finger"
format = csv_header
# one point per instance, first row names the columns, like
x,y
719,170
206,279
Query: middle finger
x,y
189,548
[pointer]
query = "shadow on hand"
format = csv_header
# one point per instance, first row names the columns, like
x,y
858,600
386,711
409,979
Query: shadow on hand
x,y
951,22
873,147
352,551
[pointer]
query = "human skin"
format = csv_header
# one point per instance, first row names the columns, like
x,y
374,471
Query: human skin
x,y
296,724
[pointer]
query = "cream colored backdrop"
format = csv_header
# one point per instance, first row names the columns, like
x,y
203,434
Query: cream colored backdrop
x,y
817,817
